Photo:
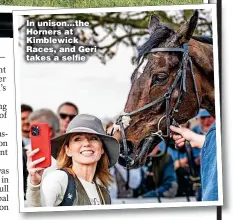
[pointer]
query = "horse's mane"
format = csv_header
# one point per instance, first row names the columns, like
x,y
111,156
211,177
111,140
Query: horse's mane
x,y
158,36
161,34
203,39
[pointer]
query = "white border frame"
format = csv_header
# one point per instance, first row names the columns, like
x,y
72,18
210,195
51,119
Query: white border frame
x,y
17,13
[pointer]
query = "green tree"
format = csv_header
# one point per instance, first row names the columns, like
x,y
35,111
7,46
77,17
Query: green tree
x,y
110,30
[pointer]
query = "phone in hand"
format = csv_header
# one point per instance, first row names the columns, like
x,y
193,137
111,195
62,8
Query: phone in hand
x,y
40,138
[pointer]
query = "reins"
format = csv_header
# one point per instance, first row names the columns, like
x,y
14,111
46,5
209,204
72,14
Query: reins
x,y
181,76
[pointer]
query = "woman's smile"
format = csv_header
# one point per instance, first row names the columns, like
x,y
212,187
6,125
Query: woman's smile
x,y
87,152
85,148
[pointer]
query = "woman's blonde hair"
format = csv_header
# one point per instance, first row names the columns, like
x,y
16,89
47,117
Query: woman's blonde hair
x,y
102,171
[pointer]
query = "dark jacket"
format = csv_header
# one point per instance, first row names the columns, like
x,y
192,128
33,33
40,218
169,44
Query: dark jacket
x,y
163,183
25,171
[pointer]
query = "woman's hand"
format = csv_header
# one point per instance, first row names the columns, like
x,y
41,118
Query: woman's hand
x,y
35,173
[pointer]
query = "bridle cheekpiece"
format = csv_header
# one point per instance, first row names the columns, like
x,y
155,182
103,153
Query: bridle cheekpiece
x,y
181,76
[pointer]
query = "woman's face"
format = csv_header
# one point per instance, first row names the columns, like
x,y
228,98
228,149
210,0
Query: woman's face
x,y
85,148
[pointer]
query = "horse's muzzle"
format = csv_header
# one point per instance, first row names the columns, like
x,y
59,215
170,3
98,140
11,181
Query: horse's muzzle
x,y
137,158
122,158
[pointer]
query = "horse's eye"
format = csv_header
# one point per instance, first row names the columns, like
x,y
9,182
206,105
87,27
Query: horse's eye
x,y
160,78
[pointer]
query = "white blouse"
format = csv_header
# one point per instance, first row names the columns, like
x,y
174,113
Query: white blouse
x,y
53,188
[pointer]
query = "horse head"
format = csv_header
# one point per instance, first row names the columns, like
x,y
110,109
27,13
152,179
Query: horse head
x,y
173,79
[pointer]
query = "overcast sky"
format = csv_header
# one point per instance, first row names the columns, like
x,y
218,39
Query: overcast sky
x,y
95,88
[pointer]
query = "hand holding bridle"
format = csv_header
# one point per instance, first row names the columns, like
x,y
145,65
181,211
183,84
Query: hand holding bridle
x,y
181,134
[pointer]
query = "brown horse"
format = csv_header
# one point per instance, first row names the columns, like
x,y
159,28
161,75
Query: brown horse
x,y
170,83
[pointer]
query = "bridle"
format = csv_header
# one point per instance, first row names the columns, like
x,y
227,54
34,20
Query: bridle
x,y
181,76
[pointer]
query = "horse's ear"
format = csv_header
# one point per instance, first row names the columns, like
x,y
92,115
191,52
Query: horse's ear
x,y
186,30
153,23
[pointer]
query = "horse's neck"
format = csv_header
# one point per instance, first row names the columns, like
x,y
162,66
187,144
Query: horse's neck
x,y
202,58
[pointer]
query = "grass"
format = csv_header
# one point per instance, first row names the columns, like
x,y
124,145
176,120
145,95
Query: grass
x,y
95,3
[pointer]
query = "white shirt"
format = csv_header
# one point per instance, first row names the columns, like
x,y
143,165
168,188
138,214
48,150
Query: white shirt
x,y
91,191
134,179
26,141
53,188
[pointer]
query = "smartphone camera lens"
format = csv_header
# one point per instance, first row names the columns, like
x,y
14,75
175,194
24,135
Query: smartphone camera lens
x,y
35,131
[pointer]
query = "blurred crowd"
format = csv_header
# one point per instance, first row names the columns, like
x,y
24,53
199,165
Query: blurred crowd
x,y
166,173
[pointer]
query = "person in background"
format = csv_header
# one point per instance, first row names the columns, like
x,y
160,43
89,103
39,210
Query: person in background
x,y
66,112
124,182
205,122
181,166
159,176
209,180
26,110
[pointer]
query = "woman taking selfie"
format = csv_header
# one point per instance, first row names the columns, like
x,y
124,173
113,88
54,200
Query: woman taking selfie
x,y
86,154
